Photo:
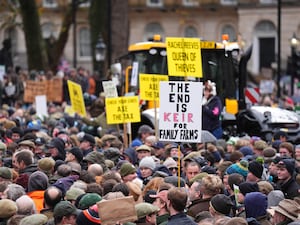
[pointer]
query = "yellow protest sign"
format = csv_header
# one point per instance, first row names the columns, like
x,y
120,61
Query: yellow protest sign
x,y
76,98
184,57
149,86
122,110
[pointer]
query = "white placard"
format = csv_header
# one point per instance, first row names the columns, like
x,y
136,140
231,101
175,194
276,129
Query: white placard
x,y
41,105
180,111
134,74
109,89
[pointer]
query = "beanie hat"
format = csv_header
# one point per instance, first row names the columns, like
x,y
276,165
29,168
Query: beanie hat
x,y
274,197
256,204
37,181
6,173
248,187
289,164
240,168
8,208
77,152
246,150
89,217
256,169
73,193
126,169
46,164
147,162
221,204
88,200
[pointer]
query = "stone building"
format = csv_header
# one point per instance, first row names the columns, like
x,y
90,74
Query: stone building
x,y
252,22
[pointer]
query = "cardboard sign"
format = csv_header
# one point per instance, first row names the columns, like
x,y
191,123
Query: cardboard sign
x,y
122,110
184,57
118,210
76,98
109,89
180,114
51,88
149,86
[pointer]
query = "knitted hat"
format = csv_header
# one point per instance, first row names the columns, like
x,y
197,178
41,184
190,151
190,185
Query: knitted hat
x,y
174,181
221,204
73,193
274,197
240,168
89,138
145,129
248,187
147,162
35,219
37,181
88,200
46,164
144,209
126,169
6,173
89,217
256,204
289,164
246,150
77,152
8,208
256,169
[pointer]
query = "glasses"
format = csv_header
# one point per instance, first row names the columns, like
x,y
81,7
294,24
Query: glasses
x,y
173,168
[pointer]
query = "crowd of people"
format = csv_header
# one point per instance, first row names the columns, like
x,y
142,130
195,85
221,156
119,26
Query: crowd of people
x,y
59,169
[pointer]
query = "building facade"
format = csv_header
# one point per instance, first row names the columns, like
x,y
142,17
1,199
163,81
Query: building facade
x,y
251,22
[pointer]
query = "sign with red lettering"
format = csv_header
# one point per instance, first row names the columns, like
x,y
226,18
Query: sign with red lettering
x,y
180,111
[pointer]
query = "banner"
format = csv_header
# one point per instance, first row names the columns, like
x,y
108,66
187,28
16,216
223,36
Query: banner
x,y
76,98
51,88
149,86
122,110
110,89
184,57
180,114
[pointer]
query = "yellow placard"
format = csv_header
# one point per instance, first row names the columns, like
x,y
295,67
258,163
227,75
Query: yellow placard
x,y
76,98
149,86
122,110
184,57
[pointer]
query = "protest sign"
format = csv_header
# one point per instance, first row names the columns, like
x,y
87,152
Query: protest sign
x,y
110,89
122,110
41,105
149,86
180,111
184,57
76,98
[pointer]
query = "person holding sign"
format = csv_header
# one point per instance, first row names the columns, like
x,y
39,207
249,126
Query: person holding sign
x,y
211,110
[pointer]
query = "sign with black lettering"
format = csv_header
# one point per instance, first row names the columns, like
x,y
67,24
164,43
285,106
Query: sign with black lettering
x,y
180,111
184,57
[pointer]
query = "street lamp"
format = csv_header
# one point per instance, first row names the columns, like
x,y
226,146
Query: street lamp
x,y
294,43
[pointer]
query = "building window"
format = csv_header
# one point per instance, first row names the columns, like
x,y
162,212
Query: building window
x,y
11,34
152,29
47,30
155,3
268,1
84,42
49,3
190,31
228,2
228,29
190,3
